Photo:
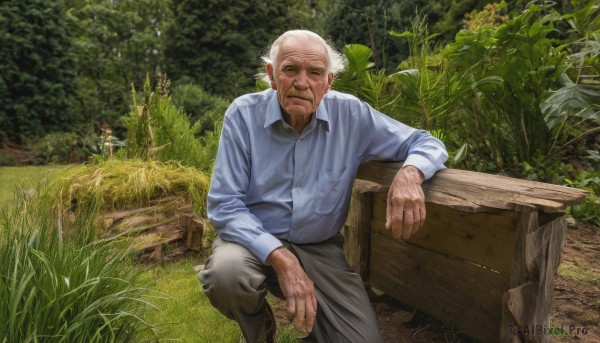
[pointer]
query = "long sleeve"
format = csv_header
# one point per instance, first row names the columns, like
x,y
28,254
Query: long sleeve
x,y
387,139
227,197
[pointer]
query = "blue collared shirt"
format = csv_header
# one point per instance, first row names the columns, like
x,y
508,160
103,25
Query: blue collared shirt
x,y
271,182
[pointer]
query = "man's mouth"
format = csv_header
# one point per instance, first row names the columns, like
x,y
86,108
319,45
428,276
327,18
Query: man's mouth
x,y
300,97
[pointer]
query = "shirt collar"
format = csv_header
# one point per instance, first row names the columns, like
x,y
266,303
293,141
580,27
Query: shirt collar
x,y
274,114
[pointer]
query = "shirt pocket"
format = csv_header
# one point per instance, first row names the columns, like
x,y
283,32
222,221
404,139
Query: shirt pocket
x,y
330,192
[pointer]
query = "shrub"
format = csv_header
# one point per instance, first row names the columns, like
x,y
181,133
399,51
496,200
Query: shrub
x,y
199,105
159,130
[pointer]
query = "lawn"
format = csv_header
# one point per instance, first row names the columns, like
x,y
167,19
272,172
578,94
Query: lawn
x,y
13,177
183,312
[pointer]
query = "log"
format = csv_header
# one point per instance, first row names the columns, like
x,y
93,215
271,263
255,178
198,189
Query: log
x,y
473,192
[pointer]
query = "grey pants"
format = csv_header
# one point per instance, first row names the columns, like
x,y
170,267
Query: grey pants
x,y
236,283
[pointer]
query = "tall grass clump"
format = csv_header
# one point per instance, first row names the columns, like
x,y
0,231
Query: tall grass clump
x,y
60,288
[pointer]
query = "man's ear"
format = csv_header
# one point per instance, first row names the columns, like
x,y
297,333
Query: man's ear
x,y
271,76
330,80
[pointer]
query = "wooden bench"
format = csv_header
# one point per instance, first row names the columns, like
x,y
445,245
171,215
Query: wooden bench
x,y
485,259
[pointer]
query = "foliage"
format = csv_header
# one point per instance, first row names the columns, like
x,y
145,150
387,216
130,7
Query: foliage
x,y
159,130
510,70
359,79
60,288
500,95
117,43
218,46
428,90
162,131
447,16
200,106
589,211
418,94
357,22
38,69
6,160
63,147
369,24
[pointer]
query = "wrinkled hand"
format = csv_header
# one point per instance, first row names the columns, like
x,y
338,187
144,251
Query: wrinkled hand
x,y
406,203
297,288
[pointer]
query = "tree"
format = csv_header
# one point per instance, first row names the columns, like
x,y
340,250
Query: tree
x,y
369,23
38,69
217,44
118,42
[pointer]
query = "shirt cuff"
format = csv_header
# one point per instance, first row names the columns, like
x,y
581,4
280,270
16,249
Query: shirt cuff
x,y
263,245
421,163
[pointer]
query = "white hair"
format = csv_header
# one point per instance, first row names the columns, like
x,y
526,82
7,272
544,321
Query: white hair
x,y
336,62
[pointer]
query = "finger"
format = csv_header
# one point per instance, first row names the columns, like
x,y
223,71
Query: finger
x,y
417,220
290,310
388,212
397,219
422,215
407,223
300,313
311,314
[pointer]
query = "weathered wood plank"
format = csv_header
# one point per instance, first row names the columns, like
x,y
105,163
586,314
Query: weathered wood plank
x,y
195,230
474,192
357,227
484,238
457,292
537,256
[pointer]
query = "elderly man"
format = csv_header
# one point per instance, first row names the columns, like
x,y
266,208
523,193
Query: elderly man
x,y
280,192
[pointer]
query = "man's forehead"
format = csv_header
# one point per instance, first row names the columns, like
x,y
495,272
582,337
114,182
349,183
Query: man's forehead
x,y
298,48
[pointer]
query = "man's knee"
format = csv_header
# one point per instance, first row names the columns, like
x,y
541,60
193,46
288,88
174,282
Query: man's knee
x,y
233,277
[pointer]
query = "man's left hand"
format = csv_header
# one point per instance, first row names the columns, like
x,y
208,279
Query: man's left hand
x,y
406,203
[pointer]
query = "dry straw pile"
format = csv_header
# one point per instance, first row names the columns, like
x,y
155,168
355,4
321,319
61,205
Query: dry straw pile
x,y
159,205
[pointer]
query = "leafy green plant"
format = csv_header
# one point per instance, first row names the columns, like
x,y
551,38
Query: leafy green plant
x,y
508,69
589,211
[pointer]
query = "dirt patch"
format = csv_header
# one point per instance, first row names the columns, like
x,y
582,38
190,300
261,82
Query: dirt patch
x,y
576,306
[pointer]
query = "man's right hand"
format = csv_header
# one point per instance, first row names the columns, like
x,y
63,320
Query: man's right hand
x,y
298,289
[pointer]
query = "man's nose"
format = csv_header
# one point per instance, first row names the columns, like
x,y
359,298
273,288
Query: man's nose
x,y
301,81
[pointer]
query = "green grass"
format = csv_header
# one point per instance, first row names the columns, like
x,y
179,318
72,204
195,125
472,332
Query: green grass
x,y
186,314
578,272
13,177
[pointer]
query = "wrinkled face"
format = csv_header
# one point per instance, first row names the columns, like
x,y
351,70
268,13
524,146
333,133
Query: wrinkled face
x,y
301,76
